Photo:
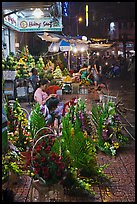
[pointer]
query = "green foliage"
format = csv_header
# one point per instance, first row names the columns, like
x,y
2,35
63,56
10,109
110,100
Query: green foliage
x,y
108,128
18,131
11,162
78,151
81,150
65,72
37,120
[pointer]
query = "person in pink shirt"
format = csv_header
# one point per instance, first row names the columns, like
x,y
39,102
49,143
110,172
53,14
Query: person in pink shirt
x,y
48,103
40,94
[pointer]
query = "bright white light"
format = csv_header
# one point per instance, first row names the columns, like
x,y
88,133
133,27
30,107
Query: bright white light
x,y
97,53
75,49
112,26
120,52
82,49
84,38
38,13
54,48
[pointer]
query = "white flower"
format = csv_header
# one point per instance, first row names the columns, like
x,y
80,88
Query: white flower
x,y
113,151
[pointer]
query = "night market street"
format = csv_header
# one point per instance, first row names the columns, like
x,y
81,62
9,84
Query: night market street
x,y
68,101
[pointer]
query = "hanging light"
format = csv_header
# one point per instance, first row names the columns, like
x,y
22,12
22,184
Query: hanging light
x,y
37,13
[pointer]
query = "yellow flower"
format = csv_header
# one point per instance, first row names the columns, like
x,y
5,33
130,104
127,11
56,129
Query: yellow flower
x,y
72,132
107,145
116,145
85,134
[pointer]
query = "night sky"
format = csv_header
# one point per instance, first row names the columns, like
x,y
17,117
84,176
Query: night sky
x,y
100,13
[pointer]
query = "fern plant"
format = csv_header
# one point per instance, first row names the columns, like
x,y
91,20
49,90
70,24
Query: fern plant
x,y
37,120
78,152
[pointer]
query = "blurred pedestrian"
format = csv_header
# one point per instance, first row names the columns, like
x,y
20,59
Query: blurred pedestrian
x,y
34,78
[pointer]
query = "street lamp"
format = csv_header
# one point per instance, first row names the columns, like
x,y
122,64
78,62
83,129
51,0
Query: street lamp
x,y
78,21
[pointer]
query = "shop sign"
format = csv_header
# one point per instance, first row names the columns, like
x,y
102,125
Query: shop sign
x,y
11,21
46,24
34,25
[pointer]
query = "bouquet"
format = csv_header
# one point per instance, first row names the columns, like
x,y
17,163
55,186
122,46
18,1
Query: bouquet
x,y
46,160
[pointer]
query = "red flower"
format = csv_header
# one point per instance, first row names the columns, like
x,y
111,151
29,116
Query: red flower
x,y
38,148
46,172
42,159
47,149
36,164
8,122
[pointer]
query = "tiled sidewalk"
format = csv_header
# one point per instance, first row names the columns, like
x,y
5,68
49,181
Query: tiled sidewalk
x,y
121,171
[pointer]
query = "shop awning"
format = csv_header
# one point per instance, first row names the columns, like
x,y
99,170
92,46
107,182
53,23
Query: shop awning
x,y
100,47
50,37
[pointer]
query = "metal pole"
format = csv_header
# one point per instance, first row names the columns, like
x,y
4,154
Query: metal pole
x,y
69,60
77,25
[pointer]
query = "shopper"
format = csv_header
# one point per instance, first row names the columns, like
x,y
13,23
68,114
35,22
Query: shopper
x,y
95,74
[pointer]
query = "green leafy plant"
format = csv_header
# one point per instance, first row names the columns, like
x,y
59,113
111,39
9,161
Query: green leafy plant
x,y
108,134
37,120
11,162
78,150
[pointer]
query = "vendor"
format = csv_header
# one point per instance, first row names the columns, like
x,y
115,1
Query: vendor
x,y
86,73
49,103
40,94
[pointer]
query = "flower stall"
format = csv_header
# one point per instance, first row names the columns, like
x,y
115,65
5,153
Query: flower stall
x,y
67,159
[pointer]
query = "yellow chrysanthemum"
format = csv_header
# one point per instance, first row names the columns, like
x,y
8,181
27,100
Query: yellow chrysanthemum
x,y
116,145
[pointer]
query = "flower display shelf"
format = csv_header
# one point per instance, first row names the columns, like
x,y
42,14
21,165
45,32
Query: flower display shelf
x,y
9,75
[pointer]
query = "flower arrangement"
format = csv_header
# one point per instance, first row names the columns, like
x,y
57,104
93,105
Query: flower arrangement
x,y
84,82
108,135
11,162
78,111
46,160
18,130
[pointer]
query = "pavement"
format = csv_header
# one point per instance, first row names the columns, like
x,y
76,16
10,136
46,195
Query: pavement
x,y
121,168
